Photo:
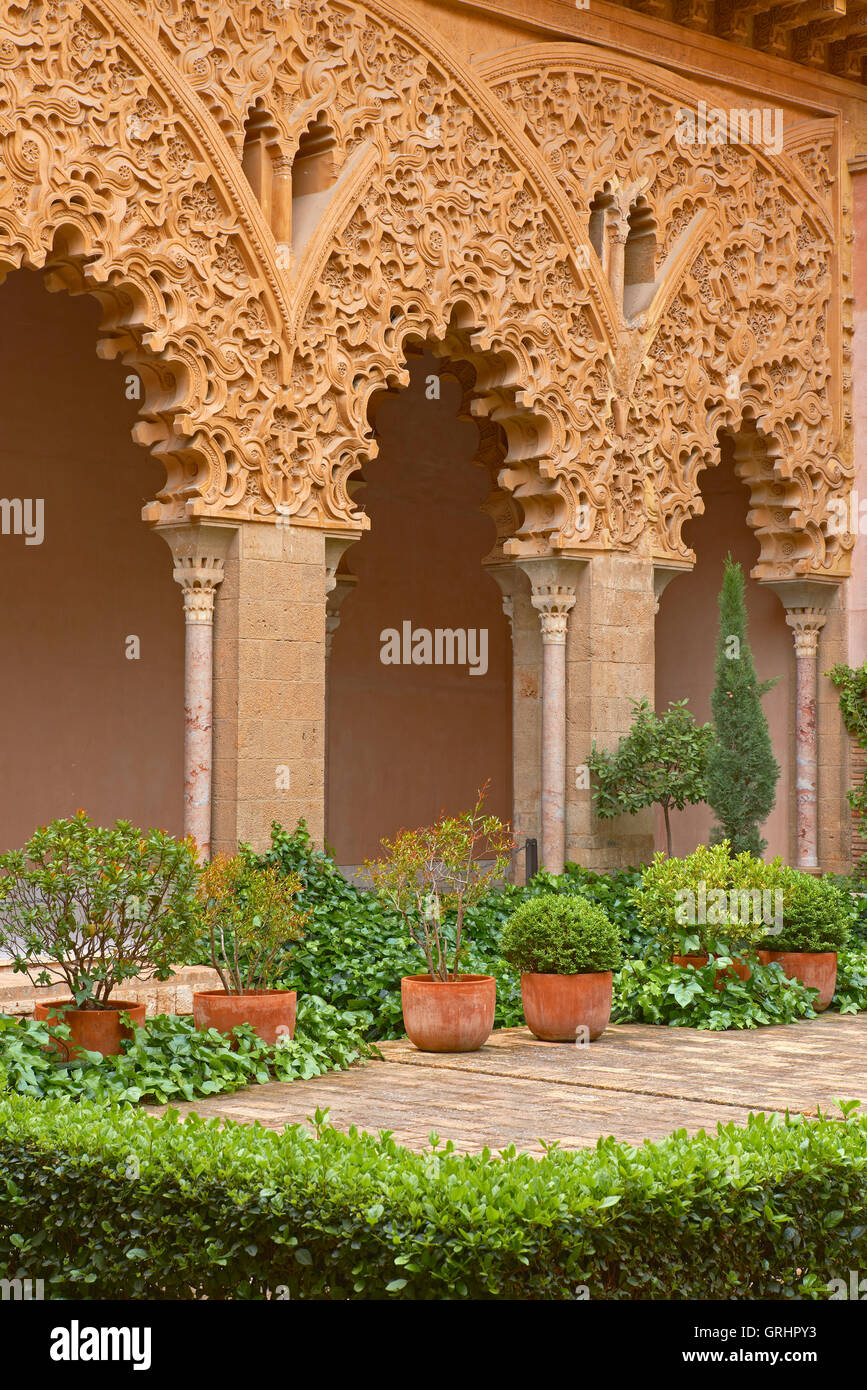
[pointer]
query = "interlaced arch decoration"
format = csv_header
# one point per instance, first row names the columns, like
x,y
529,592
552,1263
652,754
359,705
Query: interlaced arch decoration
x,y
745,327
460,198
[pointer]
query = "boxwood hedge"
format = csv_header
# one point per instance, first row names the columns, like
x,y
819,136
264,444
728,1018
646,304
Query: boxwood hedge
x,y
107,1203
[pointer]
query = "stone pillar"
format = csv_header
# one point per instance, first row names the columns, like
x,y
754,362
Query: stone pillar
x,y
806,602
526,705
610,662
199,551
553,589
281,202
618,259
269,685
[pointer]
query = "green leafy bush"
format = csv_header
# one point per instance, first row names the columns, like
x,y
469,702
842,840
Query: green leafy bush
x,y
249,919
680,996
105,1203
817,912
744,903
558,935
850,994
99,905
170,1059
851,682
660,895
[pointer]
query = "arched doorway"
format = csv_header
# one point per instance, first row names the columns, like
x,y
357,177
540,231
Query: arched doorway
x,y
686,633
91,627
418,727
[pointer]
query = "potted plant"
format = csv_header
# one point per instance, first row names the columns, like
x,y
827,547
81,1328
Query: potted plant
x,y
425,875
92,907
249,918
566,948
688,904
817,914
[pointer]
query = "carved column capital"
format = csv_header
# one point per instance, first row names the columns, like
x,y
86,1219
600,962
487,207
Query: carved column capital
x,y
199,550
553,589
553,603
662,577
340,586
336,543
198,583
806,624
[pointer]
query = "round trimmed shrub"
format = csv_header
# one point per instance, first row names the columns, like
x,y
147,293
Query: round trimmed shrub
x,y
817,914
556,934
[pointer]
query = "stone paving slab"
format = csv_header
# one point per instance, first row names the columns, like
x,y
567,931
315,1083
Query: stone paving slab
x,y
636,1082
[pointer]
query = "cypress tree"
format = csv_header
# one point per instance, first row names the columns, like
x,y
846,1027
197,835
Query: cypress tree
x,y
742,771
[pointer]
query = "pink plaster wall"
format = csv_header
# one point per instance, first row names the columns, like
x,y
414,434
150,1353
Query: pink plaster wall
x,y
686,632
82,725
406,742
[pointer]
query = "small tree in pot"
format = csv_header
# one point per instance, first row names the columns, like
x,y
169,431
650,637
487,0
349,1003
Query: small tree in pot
x,y
92,907
566,949
249,919
425,875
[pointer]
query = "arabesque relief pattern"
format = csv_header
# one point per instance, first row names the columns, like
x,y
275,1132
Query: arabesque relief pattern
x,y
109,183
745,319
459,215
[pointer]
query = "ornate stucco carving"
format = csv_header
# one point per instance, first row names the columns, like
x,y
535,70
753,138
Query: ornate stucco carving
x,y
458,217
745,321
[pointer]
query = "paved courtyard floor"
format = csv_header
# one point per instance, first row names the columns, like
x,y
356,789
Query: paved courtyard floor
x,y
637,1082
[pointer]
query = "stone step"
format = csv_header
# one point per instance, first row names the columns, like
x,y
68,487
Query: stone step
x,y
171,996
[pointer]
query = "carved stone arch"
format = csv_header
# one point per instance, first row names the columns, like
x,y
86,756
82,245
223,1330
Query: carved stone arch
x,y
456,210
748,321
120,185
404,106
786,531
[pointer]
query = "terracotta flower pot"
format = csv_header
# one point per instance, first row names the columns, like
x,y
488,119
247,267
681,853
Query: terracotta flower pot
x,y
818,969
557,1006
448,1015
270,1012
92,1030
697,961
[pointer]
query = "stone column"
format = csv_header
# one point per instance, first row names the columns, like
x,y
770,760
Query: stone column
x,y
553,585
526,686
805,602
199,551
281,202
616,274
